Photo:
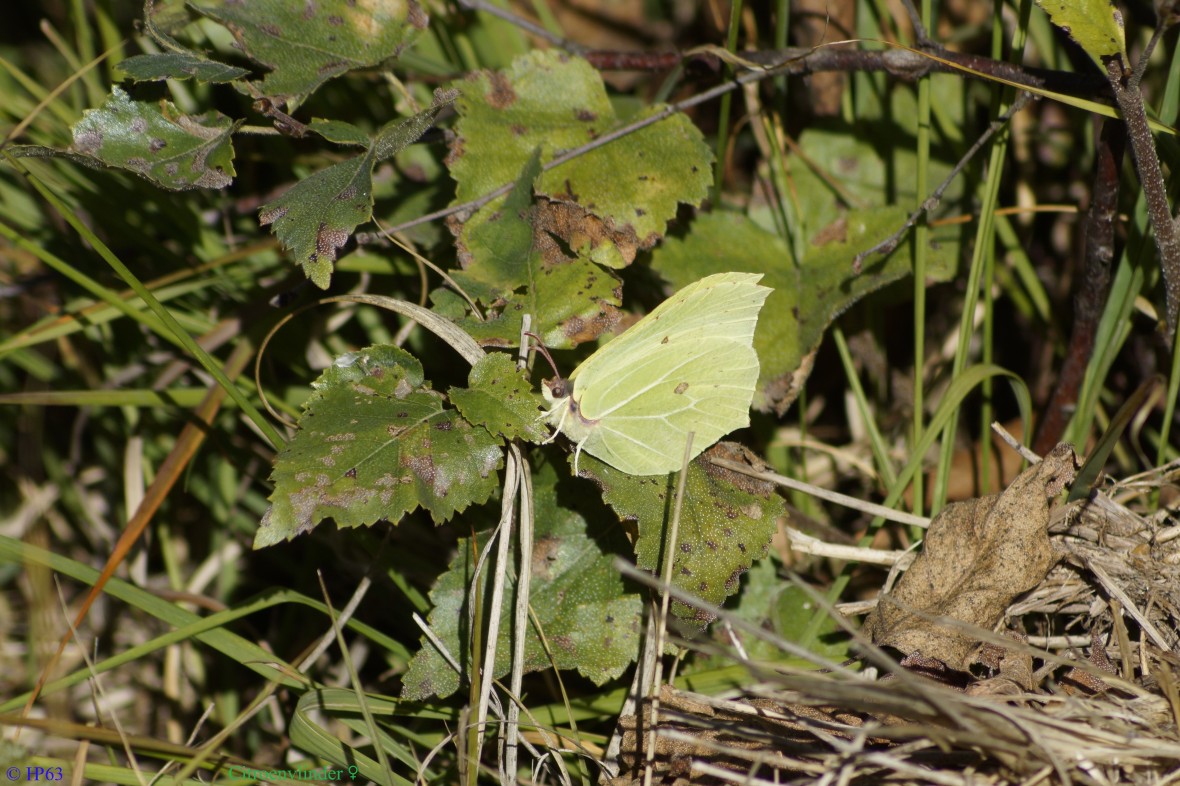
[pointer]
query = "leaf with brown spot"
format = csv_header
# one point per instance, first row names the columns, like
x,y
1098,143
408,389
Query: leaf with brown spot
x,y
152,139
604,205
723,528
590,237
375,442
313,220
977,558
524,271
315,217
306,44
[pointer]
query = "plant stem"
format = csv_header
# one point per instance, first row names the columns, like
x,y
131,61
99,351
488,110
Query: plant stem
x,y
1147,165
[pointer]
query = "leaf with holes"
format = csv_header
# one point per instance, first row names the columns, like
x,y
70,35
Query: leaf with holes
x,y
375,442
306,44
588,618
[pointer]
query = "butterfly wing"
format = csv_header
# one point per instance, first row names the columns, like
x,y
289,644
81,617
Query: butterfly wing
x,y
689,365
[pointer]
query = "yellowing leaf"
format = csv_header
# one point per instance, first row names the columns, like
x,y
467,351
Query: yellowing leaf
x,y
1096,26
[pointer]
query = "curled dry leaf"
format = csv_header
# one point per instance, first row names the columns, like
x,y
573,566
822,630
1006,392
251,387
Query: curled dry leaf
x,y
978,557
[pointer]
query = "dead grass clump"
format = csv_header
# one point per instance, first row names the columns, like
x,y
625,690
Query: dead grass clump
x,y
1075,682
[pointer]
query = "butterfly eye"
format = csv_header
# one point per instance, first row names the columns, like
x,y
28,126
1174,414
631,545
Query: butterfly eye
x,y
558,387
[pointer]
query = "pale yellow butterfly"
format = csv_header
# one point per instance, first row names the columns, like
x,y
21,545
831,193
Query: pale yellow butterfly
x,y
689,365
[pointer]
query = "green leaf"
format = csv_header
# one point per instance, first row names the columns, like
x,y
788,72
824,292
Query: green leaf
x,y
769,600
178,65
339,132
791,616
589,620
397,135
155,141
573,307
1095,25
610,202
725,524
306,44
315,217
842,167
502,242
806,297
523,271
375,442
500,398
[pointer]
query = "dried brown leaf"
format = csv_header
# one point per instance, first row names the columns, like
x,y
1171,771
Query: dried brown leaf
x,y
978,557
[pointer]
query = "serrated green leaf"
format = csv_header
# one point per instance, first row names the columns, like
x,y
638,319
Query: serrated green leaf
x,y
376,443
725,524
574,306
178,65
397,135
1095,25
158,142
614,200
306,44
315,217
502,242
807,297
500,398
589,620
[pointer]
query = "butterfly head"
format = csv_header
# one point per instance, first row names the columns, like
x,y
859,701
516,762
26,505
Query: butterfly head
x,y
556,389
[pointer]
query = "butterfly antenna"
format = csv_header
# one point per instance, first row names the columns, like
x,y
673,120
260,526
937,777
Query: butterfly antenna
x,y
540,346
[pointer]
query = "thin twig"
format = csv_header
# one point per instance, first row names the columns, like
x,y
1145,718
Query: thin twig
x,y
806,544
872,509
1128,605
1026,454
1141,65
920,34
496,596
901,63
524,24
890,244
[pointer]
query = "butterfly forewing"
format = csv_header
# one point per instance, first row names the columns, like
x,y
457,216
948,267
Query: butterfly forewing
x,y
725,304
689,365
